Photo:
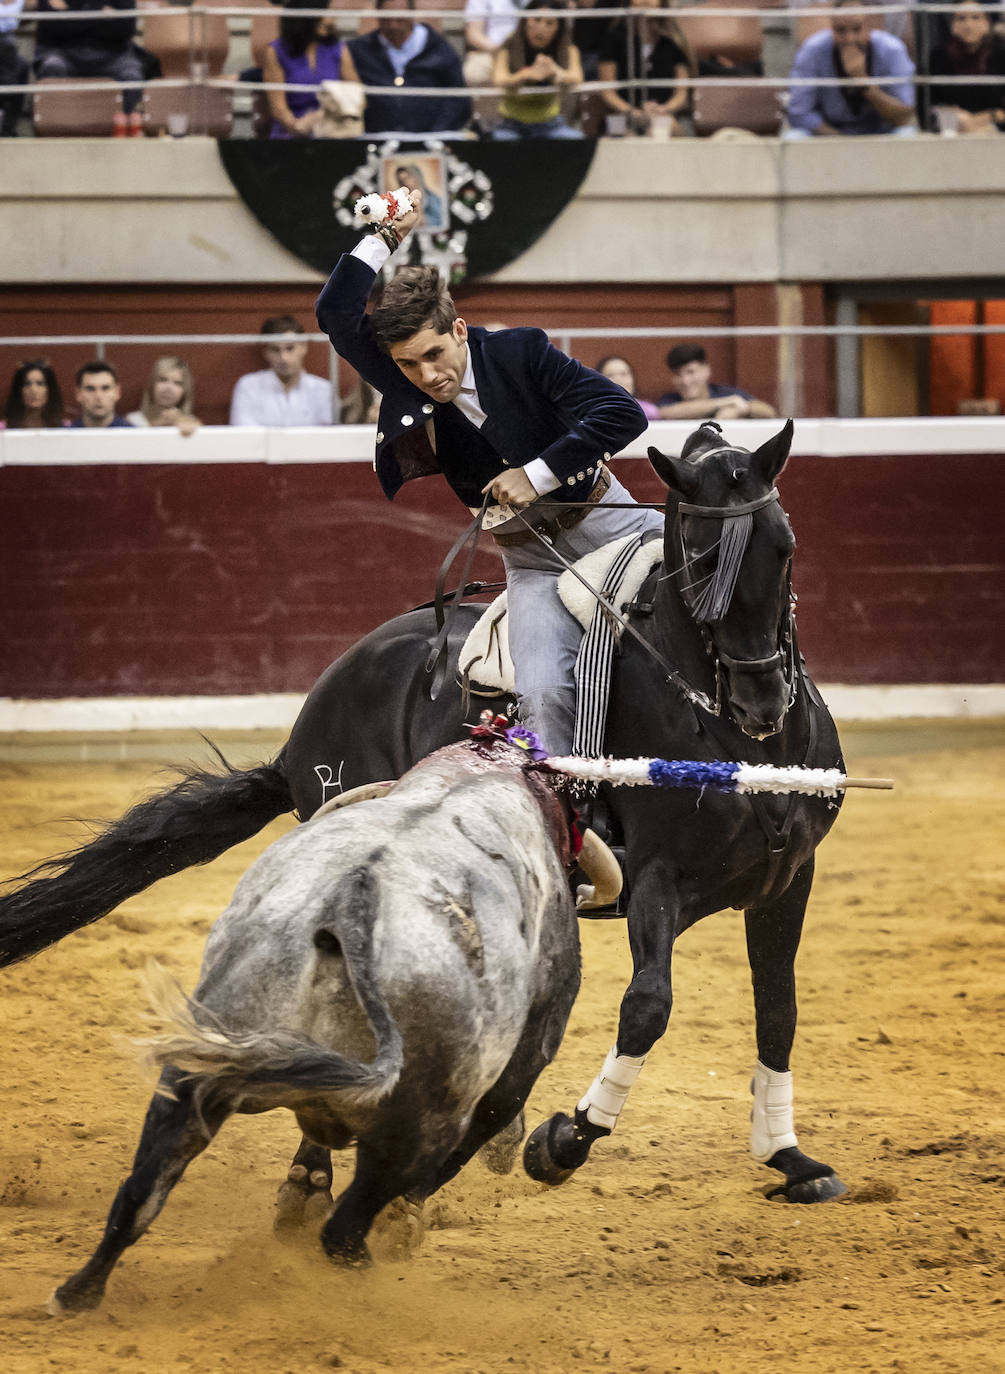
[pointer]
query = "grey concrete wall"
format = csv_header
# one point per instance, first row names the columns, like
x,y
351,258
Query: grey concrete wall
x,y
74,210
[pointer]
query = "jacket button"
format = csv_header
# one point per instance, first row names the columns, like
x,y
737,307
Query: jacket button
x,y
607,457
570,481
589,470
580,476
427,409
407,420
380,438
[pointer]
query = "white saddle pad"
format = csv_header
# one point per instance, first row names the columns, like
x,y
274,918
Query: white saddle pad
x,y
485,656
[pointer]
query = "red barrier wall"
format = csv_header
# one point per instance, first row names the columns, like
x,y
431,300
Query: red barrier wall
x,y
237,578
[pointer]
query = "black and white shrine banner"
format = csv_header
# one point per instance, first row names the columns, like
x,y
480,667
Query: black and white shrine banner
x,y
484,203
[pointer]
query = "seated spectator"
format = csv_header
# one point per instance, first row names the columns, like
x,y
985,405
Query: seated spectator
x,y
653,48
540,52
13,68
589,32
697,398
487,25
167,398
98,393
282,394
972,49
34,400
619,370
398,54
90,46
307,52
361,406
853,49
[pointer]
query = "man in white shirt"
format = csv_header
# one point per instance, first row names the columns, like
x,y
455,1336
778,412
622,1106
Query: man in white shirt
x,y
283,394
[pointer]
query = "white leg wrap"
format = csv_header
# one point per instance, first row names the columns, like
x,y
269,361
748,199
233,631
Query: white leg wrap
x,y
771,1123
608,1092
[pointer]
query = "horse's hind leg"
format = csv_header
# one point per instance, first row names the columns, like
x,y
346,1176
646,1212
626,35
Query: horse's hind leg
x,y
773,934
173,1134
307,1192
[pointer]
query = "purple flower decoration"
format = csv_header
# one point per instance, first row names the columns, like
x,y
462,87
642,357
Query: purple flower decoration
x,y
526,739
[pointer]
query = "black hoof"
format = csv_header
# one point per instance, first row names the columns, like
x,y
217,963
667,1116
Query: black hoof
x,y
67,1301
558,1148
815,1189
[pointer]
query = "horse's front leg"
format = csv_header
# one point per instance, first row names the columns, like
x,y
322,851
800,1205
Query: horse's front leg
x,y
559,1146
773,933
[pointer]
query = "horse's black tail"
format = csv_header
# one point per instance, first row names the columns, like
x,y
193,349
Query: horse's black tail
x,y
190,823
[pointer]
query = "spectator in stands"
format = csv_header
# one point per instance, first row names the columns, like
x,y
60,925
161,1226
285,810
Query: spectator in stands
x,y
34,400
853,49
653,49
167,398
362,405
98,393
401,53
972,49
91,45
487,25
695,397
618,369
13,68
589,32
539,53
282,394
307,52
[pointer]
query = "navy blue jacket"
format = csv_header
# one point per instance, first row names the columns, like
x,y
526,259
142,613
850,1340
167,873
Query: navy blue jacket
x,y
436,65
539,402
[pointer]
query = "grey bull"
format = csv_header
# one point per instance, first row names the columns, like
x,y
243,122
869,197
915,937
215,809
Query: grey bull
x,y
397,973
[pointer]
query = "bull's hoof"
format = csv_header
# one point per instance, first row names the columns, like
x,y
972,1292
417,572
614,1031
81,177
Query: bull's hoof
x,y
399,1229
500,1153
304,1199
815,1189
557,1148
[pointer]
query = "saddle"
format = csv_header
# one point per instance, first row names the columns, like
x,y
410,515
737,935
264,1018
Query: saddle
x,y
484,662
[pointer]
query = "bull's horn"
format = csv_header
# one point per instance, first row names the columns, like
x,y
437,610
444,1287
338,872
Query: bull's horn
x,y
603,871
366,792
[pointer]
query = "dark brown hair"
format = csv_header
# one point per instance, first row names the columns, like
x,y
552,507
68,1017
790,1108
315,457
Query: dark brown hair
x,y
52,411
415,298
518,48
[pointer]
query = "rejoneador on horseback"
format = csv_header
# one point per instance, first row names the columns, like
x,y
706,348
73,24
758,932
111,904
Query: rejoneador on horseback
x,y
502,415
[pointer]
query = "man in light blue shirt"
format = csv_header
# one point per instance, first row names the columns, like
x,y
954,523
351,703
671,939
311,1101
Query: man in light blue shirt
x,y
852,50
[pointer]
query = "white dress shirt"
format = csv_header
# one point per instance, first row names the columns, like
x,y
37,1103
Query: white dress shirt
x,y
260,398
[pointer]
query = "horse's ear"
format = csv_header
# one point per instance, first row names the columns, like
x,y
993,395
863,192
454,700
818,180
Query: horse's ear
x,y
678,474
772,456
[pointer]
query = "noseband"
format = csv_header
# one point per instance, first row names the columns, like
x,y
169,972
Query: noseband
x,y
713,602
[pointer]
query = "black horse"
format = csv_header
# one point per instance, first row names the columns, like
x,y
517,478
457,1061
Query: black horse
x,y
714,673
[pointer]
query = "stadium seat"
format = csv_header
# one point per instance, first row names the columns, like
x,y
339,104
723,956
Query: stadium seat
x,y
77,113
207,110
755,108
187,44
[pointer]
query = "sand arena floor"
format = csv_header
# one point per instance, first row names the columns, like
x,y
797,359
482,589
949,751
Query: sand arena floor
x,y
663,1253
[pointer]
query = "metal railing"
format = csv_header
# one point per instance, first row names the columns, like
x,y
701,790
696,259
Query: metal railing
x,y
846,337
198,47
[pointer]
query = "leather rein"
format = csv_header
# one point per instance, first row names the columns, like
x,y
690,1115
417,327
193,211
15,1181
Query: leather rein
x,y
446,613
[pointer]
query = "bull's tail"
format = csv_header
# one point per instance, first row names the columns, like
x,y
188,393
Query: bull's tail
x,y
278,1068
190,823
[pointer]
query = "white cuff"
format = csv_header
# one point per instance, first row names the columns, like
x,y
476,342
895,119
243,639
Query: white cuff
x,y
540,476
373,251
